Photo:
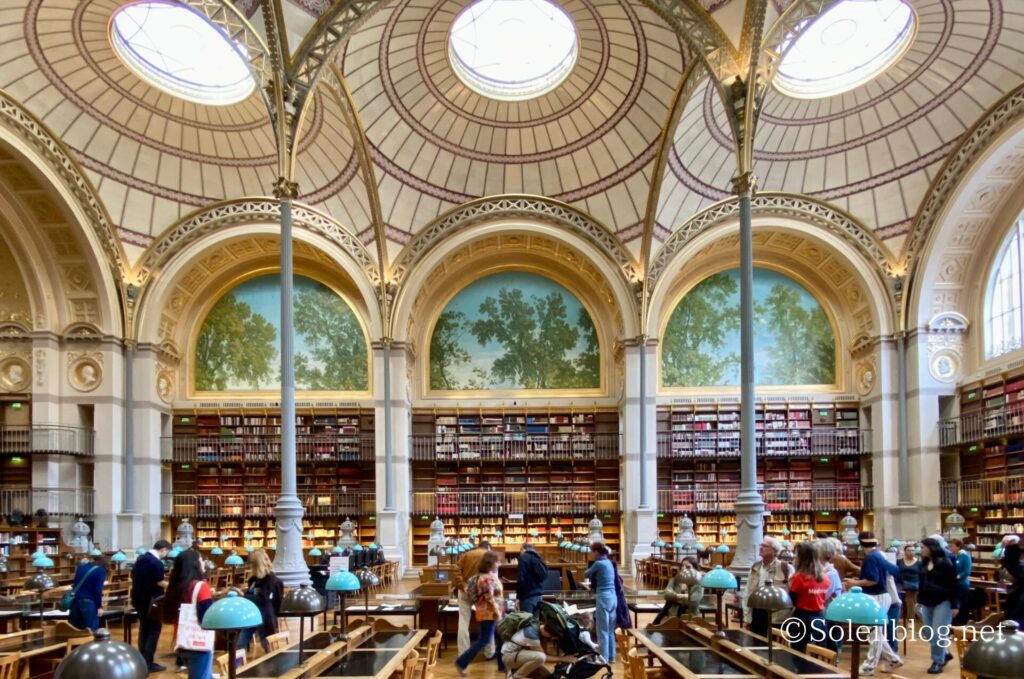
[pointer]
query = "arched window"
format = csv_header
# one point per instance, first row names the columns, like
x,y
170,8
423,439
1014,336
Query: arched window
x,y
1004,320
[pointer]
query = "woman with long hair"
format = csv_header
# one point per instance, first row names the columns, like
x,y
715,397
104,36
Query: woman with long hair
x,y
602,584
87,602
266,591
488,603
936,596
809,588
188,582
910,575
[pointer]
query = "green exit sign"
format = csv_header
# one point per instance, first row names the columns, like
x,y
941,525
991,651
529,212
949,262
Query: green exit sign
x,y
661,516
974,509
823,413
186,420
16,406
424,517
823,459
826,513
972,449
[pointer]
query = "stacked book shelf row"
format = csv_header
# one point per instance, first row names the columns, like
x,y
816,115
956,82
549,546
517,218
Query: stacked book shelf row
x,y
236,533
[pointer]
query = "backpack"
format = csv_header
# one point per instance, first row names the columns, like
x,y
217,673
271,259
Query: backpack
x,y
472,588
512,623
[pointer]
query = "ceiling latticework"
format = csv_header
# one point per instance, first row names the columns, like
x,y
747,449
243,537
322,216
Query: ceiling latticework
x,y
390,124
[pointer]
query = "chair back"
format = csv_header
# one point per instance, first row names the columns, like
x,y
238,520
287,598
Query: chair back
x,y
10,666
778,637
822,653
408,670
65,630
431,655
73,643
277,641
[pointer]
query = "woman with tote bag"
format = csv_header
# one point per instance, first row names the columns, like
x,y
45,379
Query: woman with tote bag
x,y
186,602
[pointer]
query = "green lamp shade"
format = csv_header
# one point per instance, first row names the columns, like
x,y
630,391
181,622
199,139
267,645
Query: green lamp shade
x,y
722,549
785,531
558,534
473,533
564,543
337,550
719,578
95,552
677,545
216,551
315,552
357,548
38,554
855,607
173,553
119,557
997,656
498,533
248,536
373,545
661,543
343,581
534,533
232,612
42,562
233,559
699,546
896,543
139,551
249,549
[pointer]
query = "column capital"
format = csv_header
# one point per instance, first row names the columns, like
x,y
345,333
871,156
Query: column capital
x,y
744,184
638,341
285,189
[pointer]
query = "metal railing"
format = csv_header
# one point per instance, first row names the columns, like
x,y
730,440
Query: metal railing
x,y
780,443
46,438
982,424
501,503
514,446
332,504
982,492
777,498
56,501
318,447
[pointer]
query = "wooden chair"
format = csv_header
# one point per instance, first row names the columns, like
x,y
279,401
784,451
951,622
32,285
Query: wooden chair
x,y
778,637
408,670
623,642
65,630
24,634
821,653
277,641
640,568
637,669
10,666
429,658
74,642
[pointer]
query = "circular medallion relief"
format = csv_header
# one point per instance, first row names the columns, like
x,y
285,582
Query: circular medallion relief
x,y
85,373
165,385
15,374
945,365
866,376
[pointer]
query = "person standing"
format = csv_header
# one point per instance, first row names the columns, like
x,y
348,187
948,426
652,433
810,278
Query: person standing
x,y
188,585
768,569
1014,567
87,602
964,565
533,573
873,572
809,589
826,551
466,568
488,610
936,596
845,567
602,583
266,591
680,599
910,573
148,582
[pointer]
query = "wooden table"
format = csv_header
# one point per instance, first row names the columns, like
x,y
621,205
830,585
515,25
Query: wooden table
x,y
38,647
377,657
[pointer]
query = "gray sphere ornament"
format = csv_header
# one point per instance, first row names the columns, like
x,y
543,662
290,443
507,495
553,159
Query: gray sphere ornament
x,y
103,657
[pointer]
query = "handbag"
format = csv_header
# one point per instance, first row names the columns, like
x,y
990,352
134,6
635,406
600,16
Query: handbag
x,y
191,636
69,597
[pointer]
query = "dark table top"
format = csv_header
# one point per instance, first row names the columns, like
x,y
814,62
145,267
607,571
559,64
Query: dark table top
x,y
317,642
794,663
385,609
273,666
705,662
386,640
360,664
669,638
745,639
24,646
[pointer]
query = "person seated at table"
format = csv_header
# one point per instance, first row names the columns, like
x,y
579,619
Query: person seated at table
x,y
679,599
524,654
769,569
87,602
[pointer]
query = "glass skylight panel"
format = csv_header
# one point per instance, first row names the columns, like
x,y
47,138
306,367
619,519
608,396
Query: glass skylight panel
x,y
179,51
513,49
845,47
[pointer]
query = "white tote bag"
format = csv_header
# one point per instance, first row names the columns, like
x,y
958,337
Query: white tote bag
x,y
191,636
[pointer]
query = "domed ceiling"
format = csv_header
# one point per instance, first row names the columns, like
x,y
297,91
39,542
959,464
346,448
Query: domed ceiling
x,y
433,143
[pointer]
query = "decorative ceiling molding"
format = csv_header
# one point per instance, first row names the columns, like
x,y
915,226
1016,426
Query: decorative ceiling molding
x,y
791,206
242,211
793,22
506,207
695,26
18,120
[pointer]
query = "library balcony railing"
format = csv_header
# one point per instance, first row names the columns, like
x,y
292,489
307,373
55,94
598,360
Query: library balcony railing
x,y
514,446
56,501
528,502
49,439
778,498
255,505
311,448
780,443
980,425
981,492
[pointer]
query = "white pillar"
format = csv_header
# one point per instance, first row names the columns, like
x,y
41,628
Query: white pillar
x,y
108,470
641,524
883,403
149,414
392,467
923,393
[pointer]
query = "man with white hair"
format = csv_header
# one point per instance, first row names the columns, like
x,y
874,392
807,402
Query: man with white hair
x,y
768,569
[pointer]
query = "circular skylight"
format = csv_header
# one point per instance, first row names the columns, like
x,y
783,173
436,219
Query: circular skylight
x,y
179,51
845,47
513,49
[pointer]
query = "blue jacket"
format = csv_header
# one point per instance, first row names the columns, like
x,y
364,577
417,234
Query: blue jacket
x,y
533,572
147,573
89,579
602,576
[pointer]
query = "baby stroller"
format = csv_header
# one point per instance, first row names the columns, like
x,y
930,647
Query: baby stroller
x,y
567,637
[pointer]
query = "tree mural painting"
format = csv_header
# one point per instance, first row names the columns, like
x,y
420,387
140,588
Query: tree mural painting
x,y
514,330
239,344
793,339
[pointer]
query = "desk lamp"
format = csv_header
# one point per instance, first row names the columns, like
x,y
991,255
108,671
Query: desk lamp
x,y
719,580
998,656
367,579
41,582
770,598
342,582
119,558
315,552
140,550
103,657
229,615
234,561
301,603
95,552
856,609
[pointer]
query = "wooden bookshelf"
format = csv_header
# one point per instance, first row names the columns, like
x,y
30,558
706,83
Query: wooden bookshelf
x,y
514,471
809,462
226,472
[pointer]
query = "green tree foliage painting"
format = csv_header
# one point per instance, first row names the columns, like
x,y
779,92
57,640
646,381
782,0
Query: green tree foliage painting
x,y
514,330
239,343
793,339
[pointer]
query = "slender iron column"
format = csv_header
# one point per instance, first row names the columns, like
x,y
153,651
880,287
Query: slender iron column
x,y
288,561
389,480
901,425
749,506
644,500
129,427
